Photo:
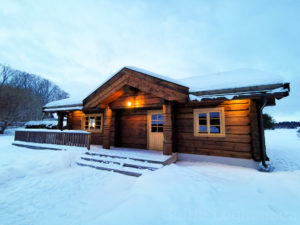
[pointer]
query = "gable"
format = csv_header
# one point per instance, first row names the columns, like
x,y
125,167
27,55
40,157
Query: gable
x,y
114,88
137,99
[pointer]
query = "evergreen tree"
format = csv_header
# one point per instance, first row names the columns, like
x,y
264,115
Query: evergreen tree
x,y
269,122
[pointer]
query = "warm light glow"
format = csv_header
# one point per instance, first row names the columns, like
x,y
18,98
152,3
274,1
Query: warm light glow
x,y
129,104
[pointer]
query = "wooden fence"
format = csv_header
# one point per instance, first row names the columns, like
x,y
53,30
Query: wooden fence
x,y
55,137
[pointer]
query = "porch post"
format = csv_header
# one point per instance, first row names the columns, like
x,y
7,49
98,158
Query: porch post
x,y
107,127
168,129
60,124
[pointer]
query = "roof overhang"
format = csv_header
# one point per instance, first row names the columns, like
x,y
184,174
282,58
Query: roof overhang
x,y
63,108
270,92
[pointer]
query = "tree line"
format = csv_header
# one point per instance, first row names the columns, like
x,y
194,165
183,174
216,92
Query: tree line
x,y
22,96
270,123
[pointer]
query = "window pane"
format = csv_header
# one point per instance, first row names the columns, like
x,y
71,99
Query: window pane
x,y
202,122
160,117
153,128
202,115
154,117
202,129
215,122
160,129
92,123
214,114
154,122
215,129
86,123
160,122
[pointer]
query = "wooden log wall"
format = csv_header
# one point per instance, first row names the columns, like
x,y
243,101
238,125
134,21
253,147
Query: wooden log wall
x,y
75,120
237,141
52,137
107,123
75,123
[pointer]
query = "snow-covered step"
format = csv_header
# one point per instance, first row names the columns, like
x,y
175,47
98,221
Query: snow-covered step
x,y
120,164
112,167
123,157
131,161
125,163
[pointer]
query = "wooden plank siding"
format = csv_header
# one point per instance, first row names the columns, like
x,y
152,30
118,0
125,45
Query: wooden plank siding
x,y
237,140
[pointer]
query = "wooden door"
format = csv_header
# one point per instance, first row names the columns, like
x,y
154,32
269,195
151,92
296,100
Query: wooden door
x,y
155,121
132,129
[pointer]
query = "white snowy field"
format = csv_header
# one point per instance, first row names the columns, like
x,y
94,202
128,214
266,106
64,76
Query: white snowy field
x,y
41,187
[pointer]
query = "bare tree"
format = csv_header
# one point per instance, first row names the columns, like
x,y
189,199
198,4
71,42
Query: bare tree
x,y
22,96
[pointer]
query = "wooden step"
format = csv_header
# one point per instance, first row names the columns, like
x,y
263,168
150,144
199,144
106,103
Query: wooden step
x,y
132,165
122,157
112,167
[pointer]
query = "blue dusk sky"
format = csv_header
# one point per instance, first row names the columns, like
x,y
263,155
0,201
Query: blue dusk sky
x,y
78,44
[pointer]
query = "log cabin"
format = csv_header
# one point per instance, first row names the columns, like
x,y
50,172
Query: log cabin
x,y
206,115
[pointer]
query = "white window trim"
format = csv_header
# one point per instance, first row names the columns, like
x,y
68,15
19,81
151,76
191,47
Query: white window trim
x,y
207,110
92,115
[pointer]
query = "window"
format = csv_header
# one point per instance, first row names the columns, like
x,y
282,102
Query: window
x,y
157,122
93,122
209,122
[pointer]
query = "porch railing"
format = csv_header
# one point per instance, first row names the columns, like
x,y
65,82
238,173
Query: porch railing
x,y
71,138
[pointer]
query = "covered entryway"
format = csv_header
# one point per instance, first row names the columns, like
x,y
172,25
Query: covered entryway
x,y
155,122
130,100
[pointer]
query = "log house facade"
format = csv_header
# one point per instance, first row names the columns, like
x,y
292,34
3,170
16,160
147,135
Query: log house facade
x,y
138,110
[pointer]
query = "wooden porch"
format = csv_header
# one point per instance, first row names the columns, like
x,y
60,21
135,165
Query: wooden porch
x,y
54,137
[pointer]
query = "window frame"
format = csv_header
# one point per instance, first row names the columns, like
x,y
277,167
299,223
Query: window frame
x,y
207,111
158,125
89,116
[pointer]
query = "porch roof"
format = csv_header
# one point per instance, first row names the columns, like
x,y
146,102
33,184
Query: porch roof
x,y
68,104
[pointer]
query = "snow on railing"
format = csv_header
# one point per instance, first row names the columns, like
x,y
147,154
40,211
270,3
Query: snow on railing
x,y
57,137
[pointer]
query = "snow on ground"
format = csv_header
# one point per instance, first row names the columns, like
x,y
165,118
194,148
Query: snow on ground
x,y
46,187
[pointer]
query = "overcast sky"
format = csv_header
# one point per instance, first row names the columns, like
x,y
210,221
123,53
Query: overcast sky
x,y
78,44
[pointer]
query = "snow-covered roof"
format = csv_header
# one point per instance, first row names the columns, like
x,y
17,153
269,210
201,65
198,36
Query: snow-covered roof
x,y
197,85
169,79
64,105
231,79
66,101
67,108
149,73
